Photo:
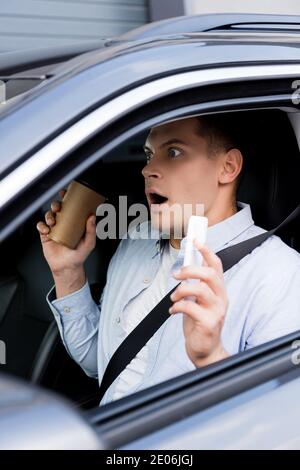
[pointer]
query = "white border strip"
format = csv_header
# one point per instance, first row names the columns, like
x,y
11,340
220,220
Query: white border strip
x,y
28,171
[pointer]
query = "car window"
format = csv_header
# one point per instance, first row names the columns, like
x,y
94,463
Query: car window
x,y
119,269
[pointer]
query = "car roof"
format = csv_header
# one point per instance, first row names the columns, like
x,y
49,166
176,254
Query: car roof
x,y
258,29
14,62
82,83
271,28
216,22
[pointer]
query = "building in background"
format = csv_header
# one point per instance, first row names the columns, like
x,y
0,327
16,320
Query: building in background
x,y
161,9
27,24
280,7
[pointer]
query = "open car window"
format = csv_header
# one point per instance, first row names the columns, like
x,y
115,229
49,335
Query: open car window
x,y
25,313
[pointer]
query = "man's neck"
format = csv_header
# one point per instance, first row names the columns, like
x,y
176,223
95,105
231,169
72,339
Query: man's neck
x,y
216,216
213,219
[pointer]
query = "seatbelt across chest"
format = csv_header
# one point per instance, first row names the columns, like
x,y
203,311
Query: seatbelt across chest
x,y
142,333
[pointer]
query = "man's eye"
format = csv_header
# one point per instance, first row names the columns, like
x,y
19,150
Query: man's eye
x,y
148,156
173,152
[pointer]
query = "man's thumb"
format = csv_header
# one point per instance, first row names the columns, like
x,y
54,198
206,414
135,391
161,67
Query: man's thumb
x,y
90,229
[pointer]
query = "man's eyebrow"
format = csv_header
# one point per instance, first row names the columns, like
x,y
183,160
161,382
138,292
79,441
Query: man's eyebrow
x,y
168,142
172,142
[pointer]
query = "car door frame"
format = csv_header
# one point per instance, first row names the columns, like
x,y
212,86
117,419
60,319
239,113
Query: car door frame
x,y
139,418
15,186
130,409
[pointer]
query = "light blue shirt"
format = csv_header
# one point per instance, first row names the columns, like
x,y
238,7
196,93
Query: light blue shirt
x,y
263,291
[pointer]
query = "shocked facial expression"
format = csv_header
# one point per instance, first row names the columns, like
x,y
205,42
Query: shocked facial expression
x,y
181,179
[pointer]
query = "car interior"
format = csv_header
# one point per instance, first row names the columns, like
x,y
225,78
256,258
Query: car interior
x,y
34,349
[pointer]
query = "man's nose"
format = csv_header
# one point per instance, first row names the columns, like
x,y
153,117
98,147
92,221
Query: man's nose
x,y
151,170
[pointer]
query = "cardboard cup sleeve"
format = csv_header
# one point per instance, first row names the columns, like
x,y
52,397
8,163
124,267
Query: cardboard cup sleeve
x,y
78,204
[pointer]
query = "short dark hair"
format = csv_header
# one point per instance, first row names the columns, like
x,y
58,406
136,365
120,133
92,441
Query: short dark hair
x,y
224,131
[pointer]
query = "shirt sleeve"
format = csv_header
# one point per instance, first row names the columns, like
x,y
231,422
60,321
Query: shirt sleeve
x,y
276,311
77,317
181,360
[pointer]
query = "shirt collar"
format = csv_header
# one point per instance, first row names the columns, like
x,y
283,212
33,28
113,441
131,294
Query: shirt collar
x,y
222,233
218,235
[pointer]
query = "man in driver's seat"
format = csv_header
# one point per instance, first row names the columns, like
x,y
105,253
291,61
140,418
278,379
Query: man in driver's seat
x,y
189,161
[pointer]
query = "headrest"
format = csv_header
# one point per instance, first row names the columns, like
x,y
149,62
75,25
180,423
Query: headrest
x,y
270,183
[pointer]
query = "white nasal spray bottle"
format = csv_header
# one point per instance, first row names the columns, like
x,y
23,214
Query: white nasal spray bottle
x,y
197,228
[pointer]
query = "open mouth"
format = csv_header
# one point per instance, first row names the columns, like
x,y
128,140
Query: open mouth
x,y
157,198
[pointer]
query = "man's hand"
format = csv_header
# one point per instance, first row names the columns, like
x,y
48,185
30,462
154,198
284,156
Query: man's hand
x,y
203,319
66,264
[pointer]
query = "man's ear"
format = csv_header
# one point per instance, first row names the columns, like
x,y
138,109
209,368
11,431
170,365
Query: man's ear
x,y
231,166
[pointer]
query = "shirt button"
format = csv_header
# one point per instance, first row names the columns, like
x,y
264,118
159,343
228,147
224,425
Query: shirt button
x,y
67,309
146,280
118,319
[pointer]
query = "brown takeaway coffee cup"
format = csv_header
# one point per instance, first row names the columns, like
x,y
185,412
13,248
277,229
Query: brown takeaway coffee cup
x,y
79,202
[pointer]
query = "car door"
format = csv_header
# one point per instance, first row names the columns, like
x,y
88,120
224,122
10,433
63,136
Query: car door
x,y
243,379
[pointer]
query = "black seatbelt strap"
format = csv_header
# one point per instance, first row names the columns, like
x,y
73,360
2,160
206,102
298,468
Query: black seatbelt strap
x,y
141,334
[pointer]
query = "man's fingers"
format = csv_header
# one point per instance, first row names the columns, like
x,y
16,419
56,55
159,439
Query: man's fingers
x,y
50,218
189,308
209,256
62,192
55,206
42,228
209,322
203,273
201,291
